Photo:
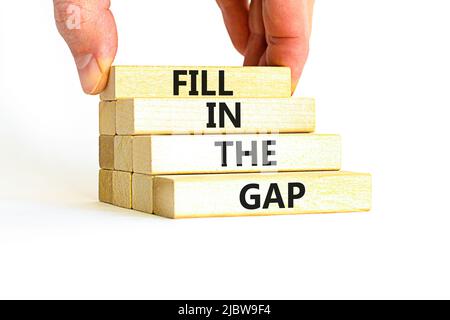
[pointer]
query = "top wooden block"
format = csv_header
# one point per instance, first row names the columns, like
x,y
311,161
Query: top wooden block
x,y
126,82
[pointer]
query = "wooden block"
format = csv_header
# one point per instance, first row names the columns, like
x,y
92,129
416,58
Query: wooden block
x,y
115,188
209,116
179,154
123,153
106,152
116,153
142,193
122,189
127,82
105,186
107,118
190,196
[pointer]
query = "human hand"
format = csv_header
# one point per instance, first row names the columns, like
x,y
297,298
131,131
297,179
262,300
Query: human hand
x,y
268,32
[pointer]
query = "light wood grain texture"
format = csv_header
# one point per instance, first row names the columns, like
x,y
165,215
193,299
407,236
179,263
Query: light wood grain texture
x,y
105,186
180,154
127,82
187,116
106,152
107,118
115,188
123,153
116,153
122,189
142,193
190,196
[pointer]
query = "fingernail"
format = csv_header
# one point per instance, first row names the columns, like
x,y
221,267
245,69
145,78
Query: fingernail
x,y
93,80
294,86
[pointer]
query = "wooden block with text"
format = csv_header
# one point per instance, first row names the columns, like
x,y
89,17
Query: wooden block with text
x,y
115,188
127,82
207,116
180,154
192,196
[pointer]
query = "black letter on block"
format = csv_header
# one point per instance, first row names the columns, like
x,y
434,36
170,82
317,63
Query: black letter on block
x,y
222,91
205,90
278,199
211,123
176,81
241,153
301,192
256,198
235,120
194,91
267,152
224,145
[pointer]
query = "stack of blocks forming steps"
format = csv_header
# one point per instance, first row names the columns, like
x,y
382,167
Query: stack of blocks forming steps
x,y
183,142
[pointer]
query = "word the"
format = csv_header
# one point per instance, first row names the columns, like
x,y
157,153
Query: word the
x,y
296,190
240,153
192,79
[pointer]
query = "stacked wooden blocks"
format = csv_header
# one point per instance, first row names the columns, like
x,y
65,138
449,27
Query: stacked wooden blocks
x,y
185,142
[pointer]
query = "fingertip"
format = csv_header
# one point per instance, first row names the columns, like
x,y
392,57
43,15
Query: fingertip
x,y
240,47
288,52
296,73
93,73
294,85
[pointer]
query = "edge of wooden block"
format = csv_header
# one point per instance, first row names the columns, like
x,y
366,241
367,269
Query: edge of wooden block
x,y
106,152
339,160
105,186
164,197
371,191
110,91
312,103
142,193
107,118
122,189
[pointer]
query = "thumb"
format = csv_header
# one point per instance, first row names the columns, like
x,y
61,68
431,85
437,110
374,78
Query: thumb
x,y
89,29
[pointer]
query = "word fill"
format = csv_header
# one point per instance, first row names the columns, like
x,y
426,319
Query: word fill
x,y
190,77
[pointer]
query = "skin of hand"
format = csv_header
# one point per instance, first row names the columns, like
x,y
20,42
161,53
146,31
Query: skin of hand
x,y
266,32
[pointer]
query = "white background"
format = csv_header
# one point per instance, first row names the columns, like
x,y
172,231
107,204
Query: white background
x,y
380,71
